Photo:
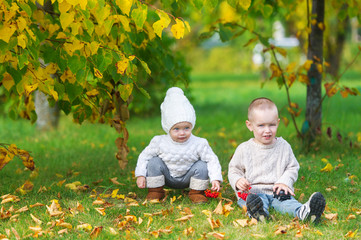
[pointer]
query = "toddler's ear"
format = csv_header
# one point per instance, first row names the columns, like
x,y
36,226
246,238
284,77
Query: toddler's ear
x,y
249,125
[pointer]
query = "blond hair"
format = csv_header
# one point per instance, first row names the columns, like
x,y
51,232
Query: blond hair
x,y
261,103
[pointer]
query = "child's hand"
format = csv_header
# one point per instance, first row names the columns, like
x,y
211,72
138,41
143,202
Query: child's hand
x,y
216,185
280,186
141,182
242,185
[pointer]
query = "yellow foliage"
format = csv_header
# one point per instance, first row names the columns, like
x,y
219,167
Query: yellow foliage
x,y
245,4
124,5
164,22
178,29
8,81
6,31
327,168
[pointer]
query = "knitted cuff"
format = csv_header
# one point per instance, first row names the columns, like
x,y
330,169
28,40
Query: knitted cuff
x,y
154,182
198,184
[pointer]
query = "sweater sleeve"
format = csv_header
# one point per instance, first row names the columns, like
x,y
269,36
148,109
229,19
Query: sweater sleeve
x,y
290,174
236,168
148,153
213,165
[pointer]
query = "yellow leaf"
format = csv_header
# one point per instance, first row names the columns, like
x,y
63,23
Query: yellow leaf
x,y
30,88
351,234
8,81
178,29
6,31
21,23
325,160
66,19
92,93
207,213
97,73
101,211
125,91
307,64
85,226
94,46
303,78
114,193
54,94
281,51
122,65
124,5
319,68
64,6
164,22
245,4
321,26
185,218
291,67
327,168
319,233
36,220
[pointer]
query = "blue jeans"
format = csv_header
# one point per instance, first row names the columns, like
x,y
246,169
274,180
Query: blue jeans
x,y
196,177
290,206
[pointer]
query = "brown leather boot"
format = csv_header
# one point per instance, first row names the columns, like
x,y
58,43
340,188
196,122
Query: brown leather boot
x,y
155,193
197,196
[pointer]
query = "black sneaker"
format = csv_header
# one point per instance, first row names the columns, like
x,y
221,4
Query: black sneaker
x,y
255,207
313,208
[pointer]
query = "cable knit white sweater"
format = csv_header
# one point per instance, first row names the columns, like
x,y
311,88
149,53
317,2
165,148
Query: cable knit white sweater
x,y
263,165
179,157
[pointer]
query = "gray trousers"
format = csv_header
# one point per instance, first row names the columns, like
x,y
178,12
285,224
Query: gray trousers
x,y
158,175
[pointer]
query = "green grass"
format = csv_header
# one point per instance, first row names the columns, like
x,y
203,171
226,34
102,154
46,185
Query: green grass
x,y
86,153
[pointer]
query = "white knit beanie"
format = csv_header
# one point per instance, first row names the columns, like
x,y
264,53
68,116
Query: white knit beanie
x,y
176,108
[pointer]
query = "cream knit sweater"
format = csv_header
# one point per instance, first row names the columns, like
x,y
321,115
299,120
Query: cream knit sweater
x,y
263,165
179,157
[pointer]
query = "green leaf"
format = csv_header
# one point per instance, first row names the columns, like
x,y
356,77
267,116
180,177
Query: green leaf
x,y
89,26
139,15
233,3
125,91
73,63
225,33
145,66
73,91
17,76
26,8
144,92
23,59
198,3
267,10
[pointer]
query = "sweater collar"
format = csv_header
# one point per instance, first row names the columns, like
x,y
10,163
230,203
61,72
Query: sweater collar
x,y
262,146
178,143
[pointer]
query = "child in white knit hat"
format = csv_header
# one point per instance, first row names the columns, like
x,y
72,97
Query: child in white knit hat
x,y
178,159
267,167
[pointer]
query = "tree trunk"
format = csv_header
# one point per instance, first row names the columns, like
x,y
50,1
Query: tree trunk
x,y
314,89
48,117
335,45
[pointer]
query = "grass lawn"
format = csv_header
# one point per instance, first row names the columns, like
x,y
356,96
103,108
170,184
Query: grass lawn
x,y
116,209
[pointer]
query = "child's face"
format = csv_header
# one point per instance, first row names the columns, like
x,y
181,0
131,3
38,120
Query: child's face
x,y
264,124
181,132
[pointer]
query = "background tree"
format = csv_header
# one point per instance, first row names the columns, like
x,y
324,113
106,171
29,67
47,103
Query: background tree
x,y
102,54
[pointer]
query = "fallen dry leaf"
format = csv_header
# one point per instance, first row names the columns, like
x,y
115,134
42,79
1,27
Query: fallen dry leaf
x,y
217,235
219,208
185,218
53,209
257,235
36,220
101,211
96,231
351,216
331,216
113,231
299,234
214,224
23,209
207,213
281,230
85,226
63,231
351,234
16,234
188,231
241,222
37,205
98,201
114,181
